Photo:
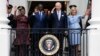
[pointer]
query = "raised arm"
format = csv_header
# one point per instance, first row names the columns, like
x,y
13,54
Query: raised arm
x,y
15,11
52,10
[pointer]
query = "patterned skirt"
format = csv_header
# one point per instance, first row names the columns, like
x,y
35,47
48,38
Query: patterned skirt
x,y
22,37
75,37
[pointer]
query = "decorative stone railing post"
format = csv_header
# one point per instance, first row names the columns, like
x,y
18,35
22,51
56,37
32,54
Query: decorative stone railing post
x,y
94,34
4,32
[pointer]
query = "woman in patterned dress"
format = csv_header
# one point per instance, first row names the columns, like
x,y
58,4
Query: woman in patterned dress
x,y
22,33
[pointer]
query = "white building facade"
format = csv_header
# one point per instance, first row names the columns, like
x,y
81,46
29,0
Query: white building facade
x,y
94,39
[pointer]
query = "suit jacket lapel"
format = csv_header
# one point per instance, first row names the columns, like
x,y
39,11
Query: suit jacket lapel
x,y
43,15
61,15
56,16
37,15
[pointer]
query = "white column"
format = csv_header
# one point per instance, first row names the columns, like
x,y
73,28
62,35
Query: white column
x,y
4,33
94,34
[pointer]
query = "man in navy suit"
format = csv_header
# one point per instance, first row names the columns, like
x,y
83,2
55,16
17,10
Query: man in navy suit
x,y
37,20
59,20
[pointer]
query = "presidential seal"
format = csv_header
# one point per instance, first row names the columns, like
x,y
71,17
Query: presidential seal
x,y
49,44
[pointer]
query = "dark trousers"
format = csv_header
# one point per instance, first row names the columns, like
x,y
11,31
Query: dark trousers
x,y
73,50
35,44
60,37
21,50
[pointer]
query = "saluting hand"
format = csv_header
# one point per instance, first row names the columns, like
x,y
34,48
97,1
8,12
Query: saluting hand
x,y
53,10
15,8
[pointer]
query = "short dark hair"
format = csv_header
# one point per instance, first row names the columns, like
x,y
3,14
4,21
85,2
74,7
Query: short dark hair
x,y
20,7
10,6
72,6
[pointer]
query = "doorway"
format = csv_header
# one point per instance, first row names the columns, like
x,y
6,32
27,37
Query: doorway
x,y
46,4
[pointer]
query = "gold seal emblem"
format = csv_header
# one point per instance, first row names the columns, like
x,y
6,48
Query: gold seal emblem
x,y
49,44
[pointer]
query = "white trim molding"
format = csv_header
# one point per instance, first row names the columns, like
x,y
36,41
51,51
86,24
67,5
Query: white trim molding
x,y
47,0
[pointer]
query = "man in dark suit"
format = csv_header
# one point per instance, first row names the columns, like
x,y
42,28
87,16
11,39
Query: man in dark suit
x,y
37,20
59,20
12,22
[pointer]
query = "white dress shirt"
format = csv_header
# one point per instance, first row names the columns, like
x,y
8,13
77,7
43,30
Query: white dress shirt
x,y
59,14
9,14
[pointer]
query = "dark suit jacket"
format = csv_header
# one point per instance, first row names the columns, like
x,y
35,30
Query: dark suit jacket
x,y
36,22
56,23
12,22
